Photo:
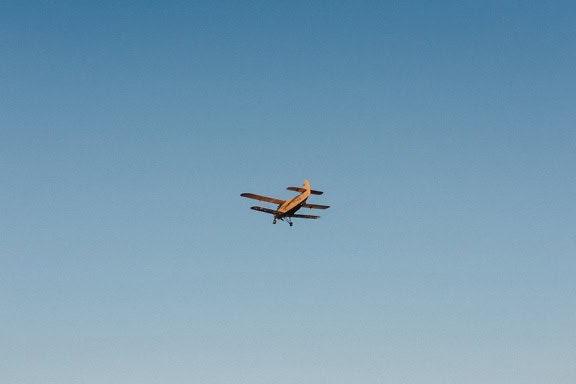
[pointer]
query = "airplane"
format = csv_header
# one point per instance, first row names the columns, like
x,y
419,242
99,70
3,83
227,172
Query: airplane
x,y
287,208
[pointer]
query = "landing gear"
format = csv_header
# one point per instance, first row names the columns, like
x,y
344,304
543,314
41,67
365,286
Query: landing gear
x,y
286,219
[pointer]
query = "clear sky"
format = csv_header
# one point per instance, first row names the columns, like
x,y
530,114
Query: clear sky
x,y
442,132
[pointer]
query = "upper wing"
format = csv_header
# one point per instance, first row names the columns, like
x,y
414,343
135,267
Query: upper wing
x,y
315,206
262,198
298,189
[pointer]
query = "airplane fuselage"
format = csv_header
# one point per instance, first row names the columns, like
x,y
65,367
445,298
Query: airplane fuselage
x,y
293,205
289,207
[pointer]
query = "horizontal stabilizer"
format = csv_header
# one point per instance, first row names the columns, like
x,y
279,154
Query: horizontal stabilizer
x,y
262,198
315,206
298,189
305,216
266,210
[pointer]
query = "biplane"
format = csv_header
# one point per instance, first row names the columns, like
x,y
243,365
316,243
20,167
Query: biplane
x,y
287,208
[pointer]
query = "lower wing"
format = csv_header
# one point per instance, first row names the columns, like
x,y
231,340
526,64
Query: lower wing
x,y
305,216
266,210
273,212
315,206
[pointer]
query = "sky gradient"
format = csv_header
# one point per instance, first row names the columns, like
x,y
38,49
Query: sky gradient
x,y
442,132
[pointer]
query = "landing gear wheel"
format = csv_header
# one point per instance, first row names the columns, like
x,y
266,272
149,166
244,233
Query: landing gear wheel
x,y
291,224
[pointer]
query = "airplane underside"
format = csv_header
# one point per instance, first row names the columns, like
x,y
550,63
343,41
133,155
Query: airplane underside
x,y
283,216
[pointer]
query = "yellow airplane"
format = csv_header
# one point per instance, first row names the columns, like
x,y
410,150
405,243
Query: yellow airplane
x,y
287,208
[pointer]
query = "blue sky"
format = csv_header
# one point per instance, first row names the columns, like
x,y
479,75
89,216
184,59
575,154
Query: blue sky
x,y
442,132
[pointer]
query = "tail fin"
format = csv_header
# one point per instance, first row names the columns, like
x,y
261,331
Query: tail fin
x,y
305,187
